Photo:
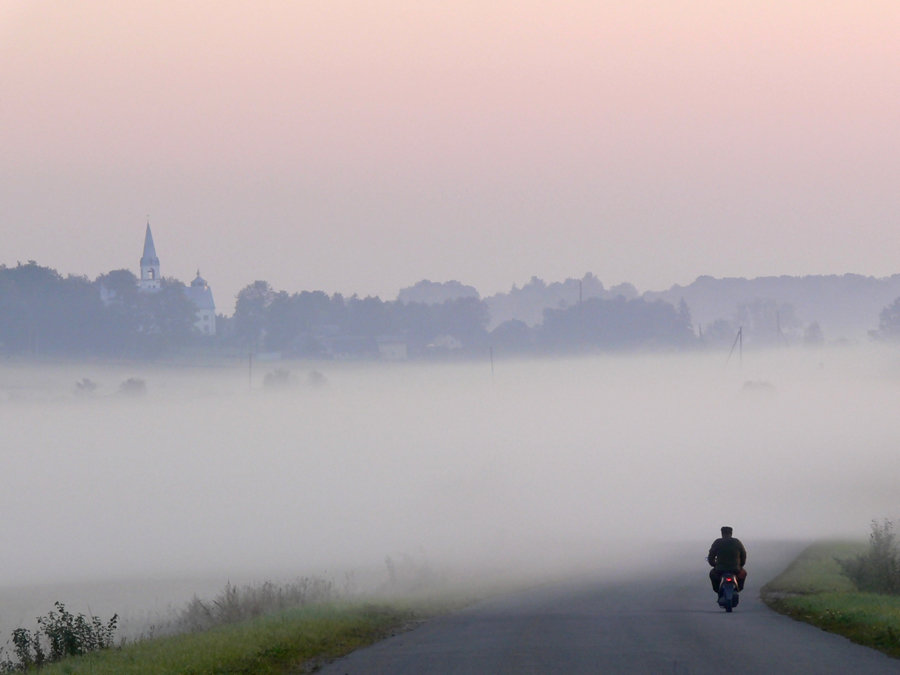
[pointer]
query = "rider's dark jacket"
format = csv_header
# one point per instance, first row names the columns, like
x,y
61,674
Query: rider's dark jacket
x,y
727,554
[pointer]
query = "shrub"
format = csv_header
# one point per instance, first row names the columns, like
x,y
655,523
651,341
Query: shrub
x,y
277,379
28,650
316,379
85,387
408,575
59,634
133,386
878,569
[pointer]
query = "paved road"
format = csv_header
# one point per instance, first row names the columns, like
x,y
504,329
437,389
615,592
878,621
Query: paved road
x,y
616,626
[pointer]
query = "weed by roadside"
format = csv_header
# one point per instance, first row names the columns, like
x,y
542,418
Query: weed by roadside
x,y
235,603
59,634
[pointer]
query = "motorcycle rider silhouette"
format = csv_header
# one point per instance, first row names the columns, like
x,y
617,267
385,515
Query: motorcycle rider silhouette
x,y
727,554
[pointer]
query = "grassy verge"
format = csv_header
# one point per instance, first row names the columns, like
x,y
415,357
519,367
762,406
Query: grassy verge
x,y
812,589
292,641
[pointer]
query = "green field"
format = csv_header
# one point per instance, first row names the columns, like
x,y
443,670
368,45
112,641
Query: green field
x,y
812,589
293,641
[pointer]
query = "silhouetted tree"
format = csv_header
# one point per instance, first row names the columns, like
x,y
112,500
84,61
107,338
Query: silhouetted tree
x,y
434,293
512,337
43,313
250,312
292,320
465,319
813,336
888,323
684,313
366,317
173,315
413,321
765,321
614,324
720,333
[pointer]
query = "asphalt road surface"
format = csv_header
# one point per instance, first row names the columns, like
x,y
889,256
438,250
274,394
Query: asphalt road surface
x,y
622,625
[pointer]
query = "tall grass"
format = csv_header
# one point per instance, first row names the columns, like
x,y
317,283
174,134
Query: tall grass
x,y
235,604
823,587
295,640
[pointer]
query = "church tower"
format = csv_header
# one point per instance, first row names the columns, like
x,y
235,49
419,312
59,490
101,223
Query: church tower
x,y
201,297
149,265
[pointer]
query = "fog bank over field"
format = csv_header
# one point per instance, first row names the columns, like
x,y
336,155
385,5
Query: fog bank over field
x,y
540,466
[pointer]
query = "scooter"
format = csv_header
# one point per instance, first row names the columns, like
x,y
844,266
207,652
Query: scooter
x,y
728,591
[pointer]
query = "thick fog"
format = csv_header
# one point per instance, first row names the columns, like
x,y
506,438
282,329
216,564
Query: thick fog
x,y
537,466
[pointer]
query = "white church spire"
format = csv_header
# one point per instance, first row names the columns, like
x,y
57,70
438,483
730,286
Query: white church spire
x,y
149,264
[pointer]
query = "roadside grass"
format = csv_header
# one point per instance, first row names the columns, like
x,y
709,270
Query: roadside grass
x,y
258,628
816,570
291,641
812,589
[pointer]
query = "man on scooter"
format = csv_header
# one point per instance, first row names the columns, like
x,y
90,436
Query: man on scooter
x,y
727,554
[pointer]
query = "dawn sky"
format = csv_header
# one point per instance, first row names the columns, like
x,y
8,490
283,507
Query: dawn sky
x,y
362,146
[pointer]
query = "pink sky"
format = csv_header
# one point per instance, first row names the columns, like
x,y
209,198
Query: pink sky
x,y
360,146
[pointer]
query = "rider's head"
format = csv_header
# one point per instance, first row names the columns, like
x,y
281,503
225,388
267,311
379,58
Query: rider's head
x,y
726,531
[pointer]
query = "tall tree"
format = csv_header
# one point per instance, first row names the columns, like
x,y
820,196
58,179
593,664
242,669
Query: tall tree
x,y
888,323
250,313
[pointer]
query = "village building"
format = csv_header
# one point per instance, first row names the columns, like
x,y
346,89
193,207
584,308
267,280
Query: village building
x,y
201,296
199,292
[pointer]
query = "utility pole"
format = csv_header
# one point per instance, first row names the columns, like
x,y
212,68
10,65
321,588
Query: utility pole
x,y
738,342
781,336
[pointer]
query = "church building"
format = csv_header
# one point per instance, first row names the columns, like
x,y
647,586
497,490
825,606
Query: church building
x,y
199,292
149,265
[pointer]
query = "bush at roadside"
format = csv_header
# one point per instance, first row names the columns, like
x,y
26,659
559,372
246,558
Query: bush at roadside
x,y
60,634
878,569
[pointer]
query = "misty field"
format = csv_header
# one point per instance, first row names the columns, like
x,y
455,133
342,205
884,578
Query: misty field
x,y
541,467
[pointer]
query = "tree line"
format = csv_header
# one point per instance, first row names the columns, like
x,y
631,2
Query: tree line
x,y
45,313
314,324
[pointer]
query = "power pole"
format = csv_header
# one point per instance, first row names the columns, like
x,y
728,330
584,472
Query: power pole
x,y
738,342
